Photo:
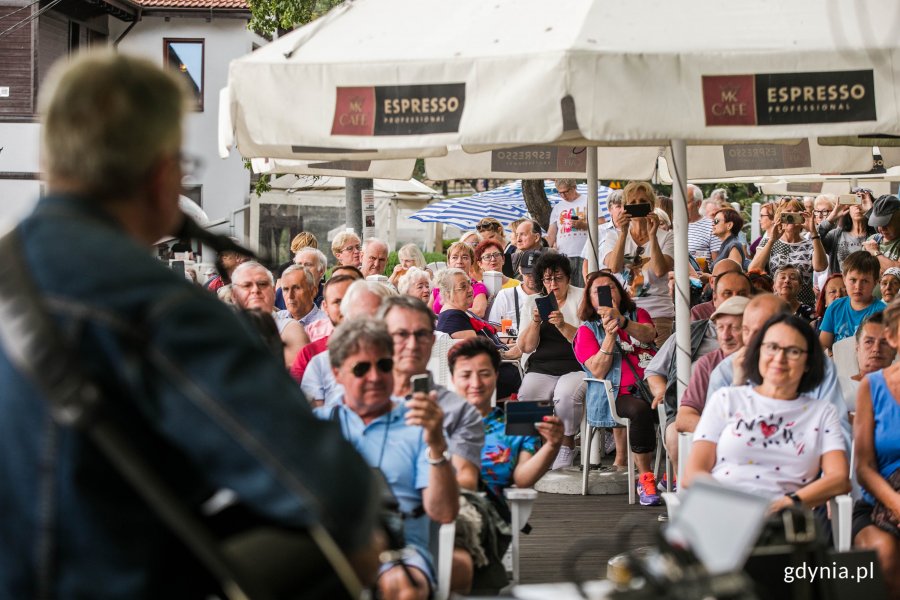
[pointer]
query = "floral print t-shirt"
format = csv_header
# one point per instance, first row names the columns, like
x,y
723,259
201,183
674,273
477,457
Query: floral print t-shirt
x,y
501,452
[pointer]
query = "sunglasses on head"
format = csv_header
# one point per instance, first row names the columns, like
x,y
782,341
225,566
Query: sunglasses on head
x,y
485,227
384,365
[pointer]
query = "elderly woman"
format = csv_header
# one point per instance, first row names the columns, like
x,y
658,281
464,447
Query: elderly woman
x,y
766,218
552,371
844,230
616,343
727,224
641,254
833,289
489,256
770,438
408,256
784,245
462,256
823,206
876,436
347,249
415,282
890,284
787,287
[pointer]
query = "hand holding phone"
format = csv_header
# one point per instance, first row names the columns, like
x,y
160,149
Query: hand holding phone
x,y
849,199
604,296
546,305
521,416
641,209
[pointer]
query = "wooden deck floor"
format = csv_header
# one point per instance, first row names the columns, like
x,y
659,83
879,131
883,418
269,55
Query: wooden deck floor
x,y
560,522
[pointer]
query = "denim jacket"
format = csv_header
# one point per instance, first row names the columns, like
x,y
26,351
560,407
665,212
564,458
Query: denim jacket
x,y
195,391
597,407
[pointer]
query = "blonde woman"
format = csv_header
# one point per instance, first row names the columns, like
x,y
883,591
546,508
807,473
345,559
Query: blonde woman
x,y
409,256
347,249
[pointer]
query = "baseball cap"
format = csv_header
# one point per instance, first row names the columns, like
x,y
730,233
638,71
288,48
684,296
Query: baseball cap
x,y
736,305
883,210
529,258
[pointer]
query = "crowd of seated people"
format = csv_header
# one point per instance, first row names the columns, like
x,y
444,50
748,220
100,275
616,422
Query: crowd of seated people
x,y
769,408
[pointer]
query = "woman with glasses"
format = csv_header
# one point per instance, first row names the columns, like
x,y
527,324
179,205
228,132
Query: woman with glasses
x,y
552,371
461,256
727,224
787,287
766,218
784,245
641,255
769,438
489,255
347,249
616,343
843,228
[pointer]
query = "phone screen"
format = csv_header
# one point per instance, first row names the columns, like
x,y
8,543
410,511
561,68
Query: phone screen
x,y
521,416
420,383
641,209
604,296
177,267
545,306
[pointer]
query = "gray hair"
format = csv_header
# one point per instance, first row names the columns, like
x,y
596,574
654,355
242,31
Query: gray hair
x,y
308,277
372,241
445,281
406,303
412,251
321,259
354,334
719,195
360,287
615,198
251,264
694,193
412,276
107,119
570,183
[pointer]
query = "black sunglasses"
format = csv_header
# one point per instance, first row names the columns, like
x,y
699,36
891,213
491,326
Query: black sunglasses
x,y
385,365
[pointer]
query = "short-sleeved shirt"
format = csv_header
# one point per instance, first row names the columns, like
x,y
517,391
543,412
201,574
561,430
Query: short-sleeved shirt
x,y
799,255
318,381
891,250
462,425
637,353
306,354
646,289
501,451
477,288
453,320
554,354
666,354
767,446
695,395
399,451
504,305
701,241
570,241
842,321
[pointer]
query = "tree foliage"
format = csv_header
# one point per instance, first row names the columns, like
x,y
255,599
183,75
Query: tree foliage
x,y
269,16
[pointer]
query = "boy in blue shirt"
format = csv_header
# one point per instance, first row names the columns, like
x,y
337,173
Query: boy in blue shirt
x,y
843,316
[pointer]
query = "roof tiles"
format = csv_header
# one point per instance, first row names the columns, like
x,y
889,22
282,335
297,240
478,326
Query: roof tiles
x,y
195,4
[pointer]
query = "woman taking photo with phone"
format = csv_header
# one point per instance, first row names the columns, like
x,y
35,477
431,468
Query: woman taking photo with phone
x,y
616,343
843,232
641,255
784,245
552,372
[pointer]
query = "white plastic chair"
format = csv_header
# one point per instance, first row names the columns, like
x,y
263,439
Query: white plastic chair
x,y
685,439
442,548
586,439
661,451
437,364
520,501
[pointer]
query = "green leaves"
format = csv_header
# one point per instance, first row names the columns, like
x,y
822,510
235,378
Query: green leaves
x,y
271,16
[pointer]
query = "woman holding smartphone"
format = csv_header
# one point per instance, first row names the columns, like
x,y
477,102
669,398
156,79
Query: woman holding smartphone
x,y
641,255
843,232
552,372
784,244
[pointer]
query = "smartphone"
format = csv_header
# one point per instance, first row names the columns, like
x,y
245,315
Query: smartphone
x,y
420,383
177,267
604,296
521,416
793,219
849,199
642,209
546,305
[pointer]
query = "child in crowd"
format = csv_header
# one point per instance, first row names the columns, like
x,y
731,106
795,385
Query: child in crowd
x,y
844,315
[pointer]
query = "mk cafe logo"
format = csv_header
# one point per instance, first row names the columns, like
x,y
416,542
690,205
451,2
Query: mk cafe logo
x,y
789,98
398,110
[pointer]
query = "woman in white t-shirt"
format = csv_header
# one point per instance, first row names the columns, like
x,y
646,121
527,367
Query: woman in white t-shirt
x,y
641,255
769,438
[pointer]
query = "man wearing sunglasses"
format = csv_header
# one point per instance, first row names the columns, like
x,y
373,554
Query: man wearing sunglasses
x,y
402,438
411,325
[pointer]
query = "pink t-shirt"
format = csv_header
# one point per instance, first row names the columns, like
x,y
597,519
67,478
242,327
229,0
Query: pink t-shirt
x,y
477,288
586,345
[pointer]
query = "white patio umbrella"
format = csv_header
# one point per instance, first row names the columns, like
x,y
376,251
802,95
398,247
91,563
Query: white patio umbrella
x,y
393,78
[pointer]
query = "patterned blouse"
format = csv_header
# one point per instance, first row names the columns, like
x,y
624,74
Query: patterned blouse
x,y
799,255
501,452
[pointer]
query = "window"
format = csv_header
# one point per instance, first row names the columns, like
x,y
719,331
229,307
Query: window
x,y
186,57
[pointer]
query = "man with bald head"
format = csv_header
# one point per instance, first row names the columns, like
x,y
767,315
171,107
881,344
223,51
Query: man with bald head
x,y
705,310
730,370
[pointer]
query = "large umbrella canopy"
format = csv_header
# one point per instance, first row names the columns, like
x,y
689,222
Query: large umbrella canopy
x,y
505,203
424,75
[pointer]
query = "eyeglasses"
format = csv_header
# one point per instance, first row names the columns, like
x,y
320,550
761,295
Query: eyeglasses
x,y
717,221
554,279
356,248
422,335
491,256
565,191
791,352
463,287
766,215
262,285
384,365
823,213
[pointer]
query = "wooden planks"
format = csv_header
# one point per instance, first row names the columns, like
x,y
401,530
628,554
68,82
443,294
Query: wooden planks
x,y
559,521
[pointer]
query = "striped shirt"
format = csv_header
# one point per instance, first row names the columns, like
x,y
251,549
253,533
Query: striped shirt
x,y
701,241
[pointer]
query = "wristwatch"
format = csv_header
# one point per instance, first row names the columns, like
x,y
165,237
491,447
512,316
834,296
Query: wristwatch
x,y
793,496
436,462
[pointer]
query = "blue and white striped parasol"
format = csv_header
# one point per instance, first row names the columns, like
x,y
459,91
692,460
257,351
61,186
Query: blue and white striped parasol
x,y
505,203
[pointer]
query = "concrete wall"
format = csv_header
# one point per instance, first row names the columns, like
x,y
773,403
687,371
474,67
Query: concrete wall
x,y
225,183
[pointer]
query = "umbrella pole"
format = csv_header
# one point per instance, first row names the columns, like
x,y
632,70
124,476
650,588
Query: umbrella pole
x,y
592,210
682,277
